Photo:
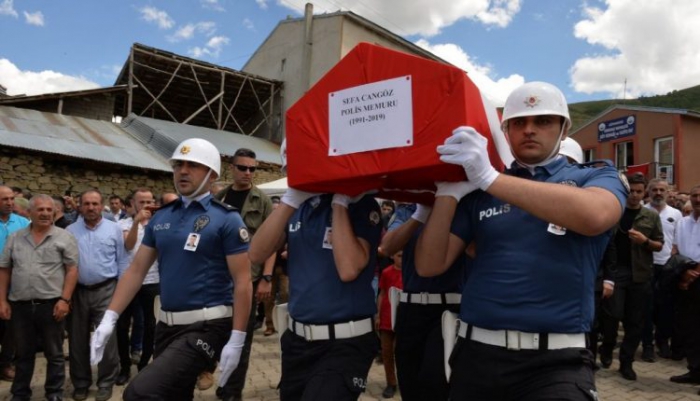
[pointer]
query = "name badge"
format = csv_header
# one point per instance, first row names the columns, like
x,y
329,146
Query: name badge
x,y
328,239
192,242
556,230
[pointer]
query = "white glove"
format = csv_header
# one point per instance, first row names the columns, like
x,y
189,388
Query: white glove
x,y
457,190
345,201
231,355
421,214
101,336
467,148
294,197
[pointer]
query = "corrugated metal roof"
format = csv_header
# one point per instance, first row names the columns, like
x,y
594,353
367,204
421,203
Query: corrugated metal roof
x,y
78,137
164,136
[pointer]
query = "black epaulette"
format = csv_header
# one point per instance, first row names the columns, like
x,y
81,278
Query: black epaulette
x,y
597,163
170,204
224,205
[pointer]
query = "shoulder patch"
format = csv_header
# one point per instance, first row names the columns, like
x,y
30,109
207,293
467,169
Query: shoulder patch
x,y
224,205
374,217
244,235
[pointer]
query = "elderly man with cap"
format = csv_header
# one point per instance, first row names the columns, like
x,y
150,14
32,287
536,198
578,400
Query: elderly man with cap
x,y
540,230
205,284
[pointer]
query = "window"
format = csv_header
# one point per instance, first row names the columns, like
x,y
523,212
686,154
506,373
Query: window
x,y
663,158
588,155
624,155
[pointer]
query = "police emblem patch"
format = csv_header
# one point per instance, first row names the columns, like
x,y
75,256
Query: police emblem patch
x,y
201,222
243,234
532,101
374,217
185,150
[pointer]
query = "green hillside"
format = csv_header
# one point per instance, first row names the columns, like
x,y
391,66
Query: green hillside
x,y
683,99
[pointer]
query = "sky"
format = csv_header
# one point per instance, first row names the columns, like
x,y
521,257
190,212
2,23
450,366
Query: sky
x,y
590,49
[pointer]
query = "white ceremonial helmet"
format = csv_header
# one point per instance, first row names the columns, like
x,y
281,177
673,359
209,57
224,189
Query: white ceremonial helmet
x,y
535,99
199,151
570,148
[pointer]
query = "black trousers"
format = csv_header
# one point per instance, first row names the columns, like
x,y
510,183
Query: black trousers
x,y
483,372
181,354
627,304
31,324
144,300
326,370
689,325
420,365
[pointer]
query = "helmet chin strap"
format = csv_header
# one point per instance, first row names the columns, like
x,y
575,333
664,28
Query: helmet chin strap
x,y
552,154
197,192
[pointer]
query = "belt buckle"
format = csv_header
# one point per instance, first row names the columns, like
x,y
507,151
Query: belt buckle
x,y
513,340
169,318
424,298
308,333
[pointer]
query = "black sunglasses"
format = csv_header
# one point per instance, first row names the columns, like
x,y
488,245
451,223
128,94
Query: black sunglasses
x,y
241,167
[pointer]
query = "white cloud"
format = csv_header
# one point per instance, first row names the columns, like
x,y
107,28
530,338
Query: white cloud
x,y
7,8
30,83
161,18
262,4
651,44
496,89
422,17
211,49
36,18
213,5
248,24
187,31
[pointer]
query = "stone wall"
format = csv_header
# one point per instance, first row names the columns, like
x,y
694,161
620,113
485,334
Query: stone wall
x,y
53,175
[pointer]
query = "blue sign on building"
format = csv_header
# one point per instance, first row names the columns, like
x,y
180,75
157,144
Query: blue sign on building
x,y
617,128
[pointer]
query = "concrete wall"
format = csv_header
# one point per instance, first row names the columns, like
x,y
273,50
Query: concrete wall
x,y
280,56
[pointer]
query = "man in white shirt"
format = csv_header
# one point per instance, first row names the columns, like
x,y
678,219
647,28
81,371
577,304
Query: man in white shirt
x,y
661,306
143,203
687,243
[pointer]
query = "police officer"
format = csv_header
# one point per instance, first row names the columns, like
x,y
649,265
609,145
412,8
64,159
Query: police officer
x,y
330,344
419,342
197,290
540,231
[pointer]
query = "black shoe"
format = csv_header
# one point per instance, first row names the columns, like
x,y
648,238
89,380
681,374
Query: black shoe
x,y
664,351
258,325
103,394
80,394
687,378
605,360
389,392
648,354
627,372
122,378
55,398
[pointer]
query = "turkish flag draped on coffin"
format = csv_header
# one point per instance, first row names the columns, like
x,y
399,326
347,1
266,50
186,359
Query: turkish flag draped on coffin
x,y
374,120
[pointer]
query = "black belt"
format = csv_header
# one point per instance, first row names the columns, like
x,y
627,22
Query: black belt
x,y
98,285
36,301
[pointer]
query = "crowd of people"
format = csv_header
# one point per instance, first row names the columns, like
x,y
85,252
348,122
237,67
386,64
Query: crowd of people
x,y
490,293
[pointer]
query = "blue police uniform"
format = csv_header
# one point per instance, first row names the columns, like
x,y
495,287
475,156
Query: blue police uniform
x,y
419,343
316,359
528,276
194,275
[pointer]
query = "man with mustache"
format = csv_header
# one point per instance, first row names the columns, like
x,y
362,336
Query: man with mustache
x,y
661,310
103,259
42,263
